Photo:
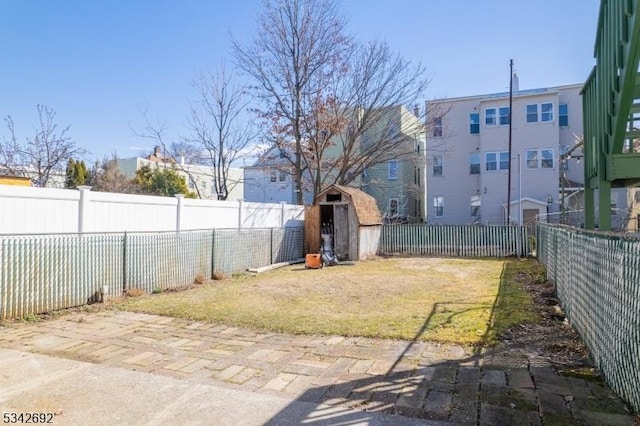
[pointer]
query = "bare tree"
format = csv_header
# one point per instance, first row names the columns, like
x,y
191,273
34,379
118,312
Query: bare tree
x,y
217,126
334,106
42,154
299,45
106,176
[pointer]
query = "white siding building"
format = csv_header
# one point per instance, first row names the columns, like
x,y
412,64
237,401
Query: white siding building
x,y
468,156
199,178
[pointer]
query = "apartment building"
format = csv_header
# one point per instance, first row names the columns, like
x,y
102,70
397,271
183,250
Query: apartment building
x,y
468,155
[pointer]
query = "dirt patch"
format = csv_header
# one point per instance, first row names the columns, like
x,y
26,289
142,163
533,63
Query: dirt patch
x,y
552,338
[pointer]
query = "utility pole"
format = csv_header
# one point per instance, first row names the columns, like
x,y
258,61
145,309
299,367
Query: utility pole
x,y
510,120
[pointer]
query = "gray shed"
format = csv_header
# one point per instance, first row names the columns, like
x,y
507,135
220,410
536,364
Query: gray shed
x,y
345,220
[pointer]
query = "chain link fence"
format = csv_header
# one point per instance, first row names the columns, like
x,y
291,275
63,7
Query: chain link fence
x,y
597,279
43,273
455,240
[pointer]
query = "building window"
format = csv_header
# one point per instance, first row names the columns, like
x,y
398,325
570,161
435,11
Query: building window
x,y
474,164
547,158
474,123
393,169
490,117
563,115
438,165
532,113
437,127
539,158
274,176
393,207
495,161
282,176
546,112
417,177
438,206
504,116
475,206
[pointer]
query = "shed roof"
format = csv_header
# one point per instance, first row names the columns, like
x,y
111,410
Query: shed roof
x,y
365,205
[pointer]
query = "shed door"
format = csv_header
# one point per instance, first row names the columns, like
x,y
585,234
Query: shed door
x,y
312,229
341,231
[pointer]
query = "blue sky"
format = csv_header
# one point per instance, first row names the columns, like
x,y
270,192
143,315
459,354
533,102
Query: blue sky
x,y
99,63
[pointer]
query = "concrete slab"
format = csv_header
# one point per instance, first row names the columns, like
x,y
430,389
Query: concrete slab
x,y
79,393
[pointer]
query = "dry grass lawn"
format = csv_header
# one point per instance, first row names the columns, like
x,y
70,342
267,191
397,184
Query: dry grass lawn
x,y
464,301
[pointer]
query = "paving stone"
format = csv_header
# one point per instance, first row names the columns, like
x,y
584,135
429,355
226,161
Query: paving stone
x,y
380,368
600,418
520,378
464,416
525,418
280,382
228,372
361,366
437,405
491,415
494,377
552,403
180,363
445,374
468,375
268,355
145,358
579,388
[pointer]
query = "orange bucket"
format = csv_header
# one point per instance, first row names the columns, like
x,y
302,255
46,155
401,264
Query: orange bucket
x,y
313,261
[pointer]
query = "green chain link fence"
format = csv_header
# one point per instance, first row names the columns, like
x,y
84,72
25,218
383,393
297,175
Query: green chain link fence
x,y
597,279
43,273
455,240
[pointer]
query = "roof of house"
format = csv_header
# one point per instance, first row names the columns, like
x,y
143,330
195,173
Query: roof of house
x,y
365,205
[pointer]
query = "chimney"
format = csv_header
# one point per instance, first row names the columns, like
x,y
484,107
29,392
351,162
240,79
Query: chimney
x,y
515,82
156,151
416,110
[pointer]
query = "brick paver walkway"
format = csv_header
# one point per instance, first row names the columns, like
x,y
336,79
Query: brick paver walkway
x,y
443,383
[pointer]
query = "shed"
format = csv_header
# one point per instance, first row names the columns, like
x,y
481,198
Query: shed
x,y
343,219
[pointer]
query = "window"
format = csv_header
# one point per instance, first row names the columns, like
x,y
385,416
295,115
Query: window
x,y
417,177
490,117
274,176
438,206
474,123
504,116
563,115
474,164
539,158
393,169
532,159
532,113
282,176
496,161
393,207
546,112
438,165
547,158
475,206
437,127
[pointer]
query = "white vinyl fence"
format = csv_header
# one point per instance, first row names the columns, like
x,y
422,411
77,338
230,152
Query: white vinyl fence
x,y
27,210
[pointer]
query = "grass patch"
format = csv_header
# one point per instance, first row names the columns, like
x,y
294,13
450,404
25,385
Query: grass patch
x,y
464,301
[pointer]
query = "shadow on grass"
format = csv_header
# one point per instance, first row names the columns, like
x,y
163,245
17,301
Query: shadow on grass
x,y
426,381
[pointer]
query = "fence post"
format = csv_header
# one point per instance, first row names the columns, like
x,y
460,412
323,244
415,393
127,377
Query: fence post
x,y
83,207
179,206
213,252
124,263
240,213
